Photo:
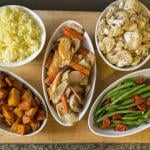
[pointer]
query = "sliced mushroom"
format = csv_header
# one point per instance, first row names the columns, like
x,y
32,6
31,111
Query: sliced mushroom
x,y
60,110
68,92
65,75
76,77
59,91
85,63
73,103
71,117
77,95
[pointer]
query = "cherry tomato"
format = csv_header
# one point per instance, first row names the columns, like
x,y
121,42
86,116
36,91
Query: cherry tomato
x,y
107,101
142,107
140,80
121,127
106,123
116,117
137,98
148,101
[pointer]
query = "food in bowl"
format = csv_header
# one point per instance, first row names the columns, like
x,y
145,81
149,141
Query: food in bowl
x,y
20,34
20,109
125,106
123,34
69,66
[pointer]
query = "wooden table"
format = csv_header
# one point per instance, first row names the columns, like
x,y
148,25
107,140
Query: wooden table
x,y
53,132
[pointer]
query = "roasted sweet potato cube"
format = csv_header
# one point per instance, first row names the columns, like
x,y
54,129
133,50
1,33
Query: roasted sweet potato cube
x,y
18,112
25,105
35,125
41,115
31,112
28,129
9,115
3,94
18,85
9,81
27,96
14,97
21,129
3,84
14,126
26,119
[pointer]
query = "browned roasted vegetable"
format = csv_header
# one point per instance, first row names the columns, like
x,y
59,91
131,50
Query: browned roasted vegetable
x,y
31,112
27,96
35,125
3,94
8,114
18,112
3,84
14,97
25,105
21,129
26,119
40,115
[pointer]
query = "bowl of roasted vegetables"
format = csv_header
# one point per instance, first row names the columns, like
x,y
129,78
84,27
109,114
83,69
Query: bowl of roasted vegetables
x,y
122,35
22,109
123,108
69,73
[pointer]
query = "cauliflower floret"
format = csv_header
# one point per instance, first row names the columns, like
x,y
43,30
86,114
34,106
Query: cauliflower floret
x,y
115,31
142,51
132,4
121,58
133,39
111,11
119,46
132,27
109,43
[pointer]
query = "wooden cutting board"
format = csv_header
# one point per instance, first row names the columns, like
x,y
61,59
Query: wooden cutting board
x,y
80,133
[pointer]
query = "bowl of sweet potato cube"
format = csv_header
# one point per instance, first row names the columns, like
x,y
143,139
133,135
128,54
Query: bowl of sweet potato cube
x,y
22,109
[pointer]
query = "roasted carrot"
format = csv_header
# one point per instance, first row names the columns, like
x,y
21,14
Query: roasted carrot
x,y
51,76
49,60
80,68
64,102
83,51
71,33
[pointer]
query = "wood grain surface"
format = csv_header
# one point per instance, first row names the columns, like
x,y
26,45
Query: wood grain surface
x,y
80,133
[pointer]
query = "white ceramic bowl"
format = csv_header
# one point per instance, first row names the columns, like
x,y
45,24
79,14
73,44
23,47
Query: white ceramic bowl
x,y
43,37
6,129
111,132
103,14
86,43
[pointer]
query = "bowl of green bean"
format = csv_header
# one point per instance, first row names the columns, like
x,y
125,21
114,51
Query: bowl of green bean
x,y
123,108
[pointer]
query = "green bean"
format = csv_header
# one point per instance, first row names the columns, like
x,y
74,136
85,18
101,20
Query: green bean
x,y
132,123
100,110
122,86
127,93
118,112
131,118
145,95
128,106
119,93
147,114
140,91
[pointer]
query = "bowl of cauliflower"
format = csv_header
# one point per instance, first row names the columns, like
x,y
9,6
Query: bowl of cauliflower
x,y
122,35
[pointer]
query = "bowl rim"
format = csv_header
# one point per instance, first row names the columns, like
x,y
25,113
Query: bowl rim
x,y
98,99
27,84
100,52
51,109
40,23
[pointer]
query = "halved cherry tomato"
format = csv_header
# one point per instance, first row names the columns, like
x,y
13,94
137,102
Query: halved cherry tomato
x,y
121,127
116,117
106,123
140,80
107,101
137,98
148,101
141,107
